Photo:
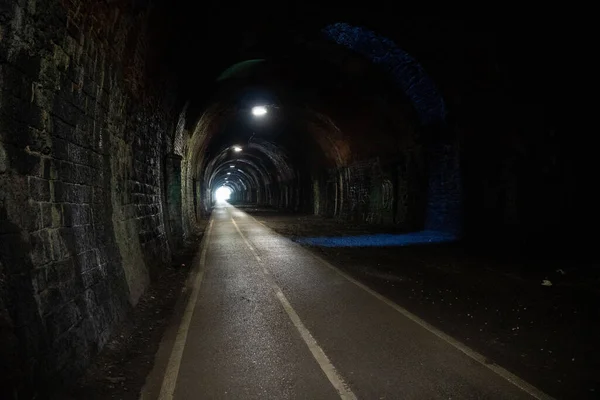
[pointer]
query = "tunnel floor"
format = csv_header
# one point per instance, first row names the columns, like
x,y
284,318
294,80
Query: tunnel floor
x,y
491,299
268,319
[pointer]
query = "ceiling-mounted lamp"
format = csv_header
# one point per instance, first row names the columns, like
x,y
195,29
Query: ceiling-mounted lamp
x,y
237,149
259,111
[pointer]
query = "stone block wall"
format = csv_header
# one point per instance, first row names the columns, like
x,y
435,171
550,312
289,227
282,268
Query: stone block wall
x,y
403,191
82,142
444,190
173,194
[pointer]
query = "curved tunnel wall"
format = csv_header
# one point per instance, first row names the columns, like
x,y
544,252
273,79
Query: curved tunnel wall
x,y
404,69
84,128
444,196
104,173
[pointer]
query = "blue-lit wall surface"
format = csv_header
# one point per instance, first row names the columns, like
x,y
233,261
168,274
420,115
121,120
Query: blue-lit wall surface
x,y
380,240
405,70
443,217
444,197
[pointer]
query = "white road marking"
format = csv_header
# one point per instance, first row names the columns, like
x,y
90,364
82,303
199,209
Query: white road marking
x,y
507,375
334,377
170,379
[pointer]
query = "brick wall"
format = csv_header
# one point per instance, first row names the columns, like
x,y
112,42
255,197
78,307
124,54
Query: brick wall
x,y
81,153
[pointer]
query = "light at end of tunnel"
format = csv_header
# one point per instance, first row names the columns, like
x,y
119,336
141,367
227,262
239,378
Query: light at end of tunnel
x,y
237,149
259,111
223,194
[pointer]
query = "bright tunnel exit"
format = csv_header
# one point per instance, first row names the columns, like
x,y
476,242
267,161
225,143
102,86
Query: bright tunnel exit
x,y
222,194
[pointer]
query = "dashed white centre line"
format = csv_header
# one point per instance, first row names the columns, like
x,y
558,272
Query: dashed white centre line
x,y
505,374
319,355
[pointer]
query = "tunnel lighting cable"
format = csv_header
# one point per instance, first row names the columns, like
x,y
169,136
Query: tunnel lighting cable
x,y
317,352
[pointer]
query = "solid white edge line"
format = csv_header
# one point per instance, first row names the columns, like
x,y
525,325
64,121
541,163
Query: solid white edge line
x,y
317,352
172,371
502,372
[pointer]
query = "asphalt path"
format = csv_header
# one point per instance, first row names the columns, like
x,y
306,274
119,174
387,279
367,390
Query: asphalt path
x,y
267,319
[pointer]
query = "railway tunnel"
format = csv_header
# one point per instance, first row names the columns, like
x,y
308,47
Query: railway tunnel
x,y
436,146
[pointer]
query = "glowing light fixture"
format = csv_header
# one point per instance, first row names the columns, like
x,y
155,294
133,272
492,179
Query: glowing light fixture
x,y
232,166
237,149
229,173
259,111
223,194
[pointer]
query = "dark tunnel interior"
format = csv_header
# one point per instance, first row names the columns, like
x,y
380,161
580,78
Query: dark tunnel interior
x,y
345,129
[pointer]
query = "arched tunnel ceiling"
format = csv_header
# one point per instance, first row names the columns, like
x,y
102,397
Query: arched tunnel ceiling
x,y
301,92
259,164
298,62
406,71
243,69
234,43
219,35
244,165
